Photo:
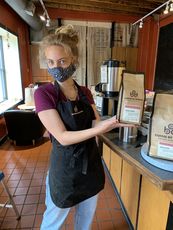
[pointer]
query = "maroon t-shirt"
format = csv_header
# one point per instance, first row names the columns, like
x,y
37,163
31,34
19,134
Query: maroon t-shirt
x,y
46,97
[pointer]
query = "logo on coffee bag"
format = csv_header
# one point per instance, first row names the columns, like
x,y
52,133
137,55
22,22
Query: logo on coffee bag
x,y
169,129
133,93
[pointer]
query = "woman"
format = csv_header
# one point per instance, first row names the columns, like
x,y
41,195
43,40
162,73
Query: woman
x,y
67,110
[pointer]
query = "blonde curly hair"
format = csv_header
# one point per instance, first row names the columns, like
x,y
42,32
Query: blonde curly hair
x,y
65,36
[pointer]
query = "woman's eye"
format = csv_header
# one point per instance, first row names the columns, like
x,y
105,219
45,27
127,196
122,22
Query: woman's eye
x,y
62,62
50,62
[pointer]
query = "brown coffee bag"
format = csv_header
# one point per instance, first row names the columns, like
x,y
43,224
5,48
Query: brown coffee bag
x,y
160,138
131,98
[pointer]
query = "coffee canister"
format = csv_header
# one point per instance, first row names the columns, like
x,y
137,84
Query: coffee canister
x,y
128,134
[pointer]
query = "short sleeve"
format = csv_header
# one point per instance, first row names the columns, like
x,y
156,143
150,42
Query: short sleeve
x,y
45,98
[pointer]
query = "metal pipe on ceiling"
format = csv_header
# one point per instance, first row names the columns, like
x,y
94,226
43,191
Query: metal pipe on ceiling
x,y
19,7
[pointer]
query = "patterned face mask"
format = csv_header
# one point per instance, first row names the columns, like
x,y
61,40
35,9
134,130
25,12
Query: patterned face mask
x,y
61,74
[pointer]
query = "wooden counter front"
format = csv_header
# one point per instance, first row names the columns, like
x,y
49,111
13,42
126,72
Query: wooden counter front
x,y
145,191
161,178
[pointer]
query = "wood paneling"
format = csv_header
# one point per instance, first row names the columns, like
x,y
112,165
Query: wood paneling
x,y
38,74
154,207
127,55
107,155
119,53
109,6
116,169
131,58
130,187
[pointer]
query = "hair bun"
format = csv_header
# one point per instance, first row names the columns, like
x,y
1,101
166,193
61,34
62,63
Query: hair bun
x,y
68,31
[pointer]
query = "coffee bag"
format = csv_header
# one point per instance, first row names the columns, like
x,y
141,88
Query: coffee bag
x,y
131,98
160,138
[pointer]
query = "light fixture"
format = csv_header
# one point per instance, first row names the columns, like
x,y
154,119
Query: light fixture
x,y
42,17
45,16
169,7
166,11
141,24
47,22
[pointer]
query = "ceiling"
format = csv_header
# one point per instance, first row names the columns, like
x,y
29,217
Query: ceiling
x,y
137,7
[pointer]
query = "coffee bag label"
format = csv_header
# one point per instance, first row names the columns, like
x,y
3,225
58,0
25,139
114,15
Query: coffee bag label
x,y
131,113
165,149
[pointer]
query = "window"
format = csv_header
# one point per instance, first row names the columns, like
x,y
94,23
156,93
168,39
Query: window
x,y
3,91
10,75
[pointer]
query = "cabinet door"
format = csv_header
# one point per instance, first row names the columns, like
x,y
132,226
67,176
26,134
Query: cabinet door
x,y
107,155
116,169
130,187
154,207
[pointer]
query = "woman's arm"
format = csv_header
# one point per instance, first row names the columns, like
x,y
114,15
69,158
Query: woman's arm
x,y
53,123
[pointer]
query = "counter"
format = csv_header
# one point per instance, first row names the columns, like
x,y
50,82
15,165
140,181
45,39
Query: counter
x,y
131,153
144,191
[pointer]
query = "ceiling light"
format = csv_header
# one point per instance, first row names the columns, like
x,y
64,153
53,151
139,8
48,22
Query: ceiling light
x,y
171,7
47,22
42,17
166,11
46,15
141,24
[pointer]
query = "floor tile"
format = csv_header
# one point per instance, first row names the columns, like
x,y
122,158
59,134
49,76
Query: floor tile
x,y
25,170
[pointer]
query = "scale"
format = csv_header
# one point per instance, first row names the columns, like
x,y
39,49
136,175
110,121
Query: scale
x,y
159,163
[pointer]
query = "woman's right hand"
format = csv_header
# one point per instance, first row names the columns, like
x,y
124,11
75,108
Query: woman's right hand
x,y
109,124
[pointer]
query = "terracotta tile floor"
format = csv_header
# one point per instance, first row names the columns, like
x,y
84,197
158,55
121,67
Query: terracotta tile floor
x,y
25,171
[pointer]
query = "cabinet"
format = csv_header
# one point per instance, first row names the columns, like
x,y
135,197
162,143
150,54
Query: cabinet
x,y
116,169
154,207
127,55
107,156
126,180
130,189
114,165
146,195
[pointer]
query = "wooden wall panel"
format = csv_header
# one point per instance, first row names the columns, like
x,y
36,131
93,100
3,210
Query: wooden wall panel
x,y
154,207
116,169
107,155
130,187
38,74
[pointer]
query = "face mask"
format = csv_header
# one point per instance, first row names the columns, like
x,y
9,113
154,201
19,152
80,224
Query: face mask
x,y
60,74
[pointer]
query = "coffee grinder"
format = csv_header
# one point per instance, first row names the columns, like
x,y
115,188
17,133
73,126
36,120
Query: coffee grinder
x,y
111,75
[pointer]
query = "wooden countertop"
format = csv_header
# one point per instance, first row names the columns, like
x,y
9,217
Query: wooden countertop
x,y
161,178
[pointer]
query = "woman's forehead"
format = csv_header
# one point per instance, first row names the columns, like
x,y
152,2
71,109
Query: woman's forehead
x,y
56,51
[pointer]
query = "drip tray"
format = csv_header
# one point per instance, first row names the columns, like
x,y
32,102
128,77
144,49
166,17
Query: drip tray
x,y
159,163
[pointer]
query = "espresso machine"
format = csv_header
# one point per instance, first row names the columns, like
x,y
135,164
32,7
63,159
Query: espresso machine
x,y
108,88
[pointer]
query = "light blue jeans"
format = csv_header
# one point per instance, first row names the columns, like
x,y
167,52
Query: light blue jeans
x,y
54,217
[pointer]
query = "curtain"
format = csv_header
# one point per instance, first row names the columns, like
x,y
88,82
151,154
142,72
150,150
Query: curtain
x,y
98,50
125,35
94,48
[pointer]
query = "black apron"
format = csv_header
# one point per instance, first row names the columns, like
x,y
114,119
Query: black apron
x,y
76,172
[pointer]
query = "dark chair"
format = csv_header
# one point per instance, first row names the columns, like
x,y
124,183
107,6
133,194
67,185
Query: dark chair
x,y
23,126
